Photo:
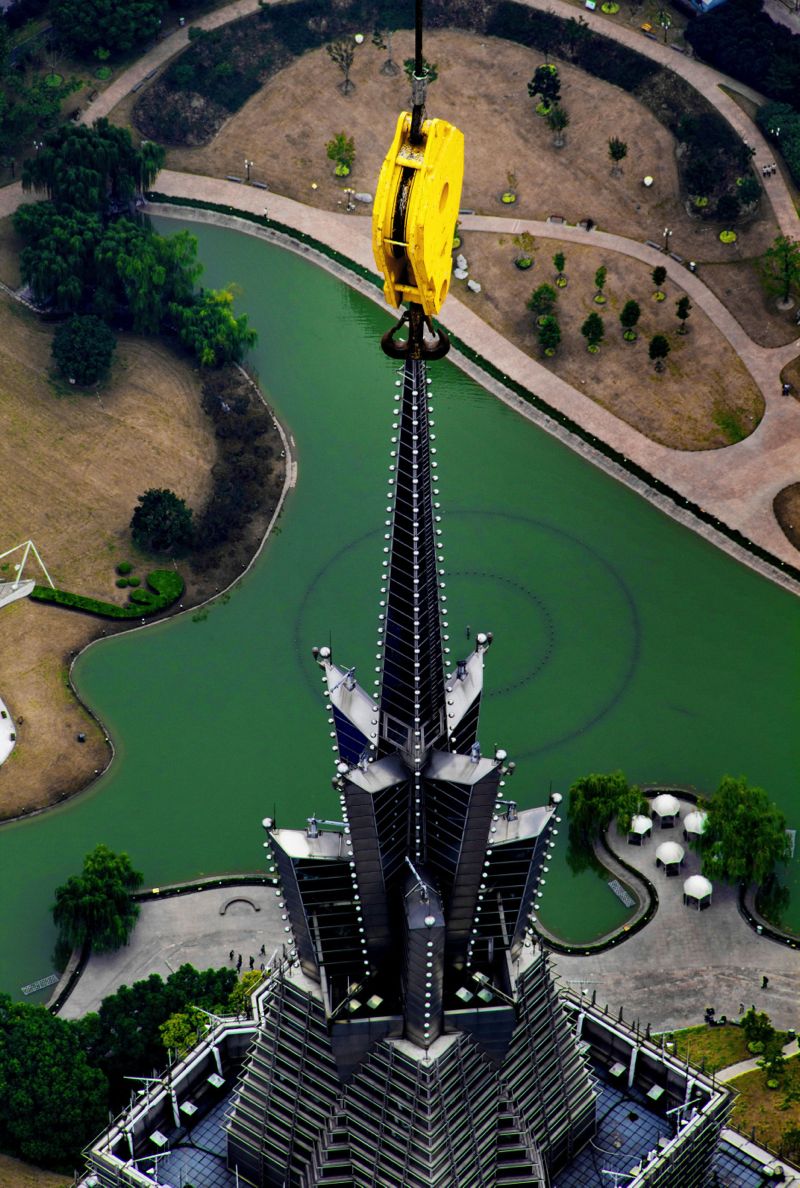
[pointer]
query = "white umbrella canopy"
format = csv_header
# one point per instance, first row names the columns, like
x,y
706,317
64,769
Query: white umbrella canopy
x,y
669,853
666,805
640,824
697,887
695,821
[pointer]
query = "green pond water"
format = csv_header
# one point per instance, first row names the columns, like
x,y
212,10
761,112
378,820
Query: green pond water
x,y
621,638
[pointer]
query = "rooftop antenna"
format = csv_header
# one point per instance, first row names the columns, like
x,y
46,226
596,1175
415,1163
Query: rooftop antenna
x,y
349,679
421,886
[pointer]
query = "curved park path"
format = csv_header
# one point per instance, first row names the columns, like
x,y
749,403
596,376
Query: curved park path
x,y
737,484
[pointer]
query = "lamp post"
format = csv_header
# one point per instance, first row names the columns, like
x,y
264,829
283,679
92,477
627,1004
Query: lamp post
x,y
666,233
248,166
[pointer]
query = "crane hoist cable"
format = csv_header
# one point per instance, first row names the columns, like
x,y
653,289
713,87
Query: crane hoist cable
x,y
414,217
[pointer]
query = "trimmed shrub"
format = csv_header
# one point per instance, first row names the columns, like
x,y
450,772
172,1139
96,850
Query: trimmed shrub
x,y
124,568
121,583
167,587
83,348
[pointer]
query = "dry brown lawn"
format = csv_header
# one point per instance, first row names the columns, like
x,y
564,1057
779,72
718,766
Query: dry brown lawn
x,y
738,285
73,466
10,247
15,1174
758,1106
786,506
482,87
704,379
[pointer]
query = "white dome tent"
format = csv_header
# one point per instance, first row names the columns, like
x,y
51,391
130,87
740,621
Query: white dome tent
x,y
694,823
639,831
670,856
697,891
667,808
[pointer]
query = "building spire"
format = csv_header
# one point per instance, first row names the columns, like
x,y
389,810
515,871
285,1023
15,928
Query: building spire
x,y
412,717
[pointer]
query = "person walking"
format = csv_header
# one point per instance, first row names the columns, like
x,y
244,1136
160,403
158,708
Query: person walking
x,y
764,981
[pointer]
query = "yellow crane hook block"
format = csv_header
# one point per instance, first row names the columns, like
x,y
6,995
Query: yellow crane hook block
x,y
415,212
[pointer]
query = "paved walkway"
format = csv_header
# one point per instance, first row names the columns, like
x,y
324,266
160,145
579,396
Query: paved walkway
x,y
200,928
694,959
745,1066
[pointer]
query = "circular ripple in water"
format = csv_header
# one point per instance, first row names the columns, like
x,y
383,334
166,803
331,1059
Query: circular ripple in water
x,y
565,624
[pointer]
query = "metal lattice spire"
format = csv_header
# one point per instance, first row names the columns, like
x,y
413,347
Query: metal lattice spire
x,y
412,718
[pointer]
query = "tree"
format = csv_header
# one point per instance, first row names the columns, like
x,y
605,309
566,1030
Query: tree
x,y
559,262
617,151
124,1037
382,39
341,149
96,905
83,349
683,307
430,71
88,25
182,1030
542,300
600,283
162,523
658,350
342,53
242,992
593,331
757,1027
143,273
557,120
57,261
547,85
92,169
780,268
728,207
74,262
53,1100
749,190
744,836
659,275
596,800
208,326
631,312
549,335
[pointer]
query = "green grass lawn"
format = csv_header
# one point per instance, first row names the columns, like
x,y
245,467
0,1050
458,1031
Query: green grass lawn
x,y
717,1046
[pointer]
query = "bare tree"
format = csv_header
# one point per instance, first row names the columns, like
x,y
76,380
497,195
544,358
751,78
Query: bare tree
x,y
382,38
557,120
342,53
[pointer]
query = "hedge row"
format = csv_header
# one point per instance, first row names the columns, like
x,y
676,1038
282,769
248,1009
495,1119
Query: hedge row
x,y
166,587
